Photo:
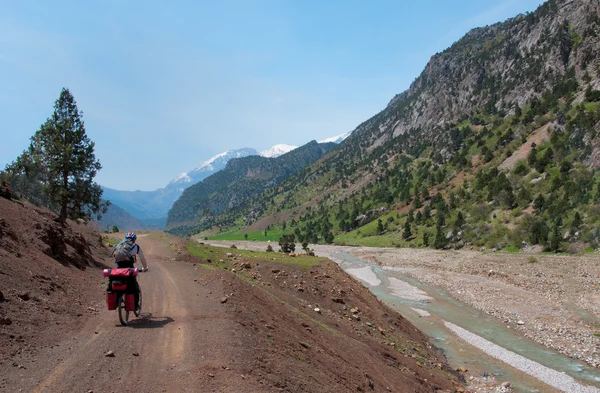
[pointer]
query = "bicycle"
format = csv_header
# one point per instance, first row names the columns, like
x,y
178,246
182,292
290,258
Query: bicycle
x,y
118,294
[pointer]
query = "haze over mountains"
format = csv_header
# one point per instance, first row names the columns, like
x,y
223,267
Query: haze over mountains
x,y
149,208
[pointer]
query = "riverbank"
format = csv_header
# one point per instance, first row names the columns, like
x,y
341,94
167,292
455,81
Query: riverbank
x,y
551,299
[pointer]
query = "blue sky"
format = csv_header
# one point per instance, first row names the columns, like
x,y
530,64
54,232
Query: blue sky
x,y
166,85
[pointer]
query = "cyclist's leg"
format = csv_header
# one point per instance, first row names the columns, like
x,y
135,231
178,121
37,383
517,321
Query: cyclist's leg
x,y
137,293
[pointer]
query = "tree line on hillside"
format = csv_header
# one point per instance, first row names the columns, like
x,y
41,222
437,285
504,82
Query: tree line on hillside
x,y
550,198
58,168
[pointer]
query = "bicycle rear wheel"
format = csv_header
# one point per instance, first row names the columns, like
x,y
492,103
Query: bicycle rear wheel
x,y
123,313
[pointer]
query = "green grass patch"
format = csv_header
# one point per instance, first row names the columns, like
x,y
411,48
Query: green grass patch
x,y
592,106
272,235
199,250
464,123
216,253
207,266
113,241
589,250
512,249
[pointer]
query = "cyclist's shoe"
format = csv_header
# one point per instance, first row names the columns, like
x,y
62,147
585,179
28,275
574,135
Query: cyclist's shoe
x,y
137,312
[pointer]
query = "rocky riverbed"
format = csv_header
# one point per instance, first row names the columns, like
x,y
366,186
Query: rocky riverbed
x,y
552,299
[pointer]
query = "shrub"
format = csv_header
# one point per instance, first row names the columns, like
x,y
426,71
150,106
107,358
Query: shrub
x,y
233,246
287,243
269,248
521,169
532,259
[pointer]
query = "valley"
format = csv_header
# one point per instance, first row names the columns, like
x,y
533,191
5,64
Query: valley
x,y
449,243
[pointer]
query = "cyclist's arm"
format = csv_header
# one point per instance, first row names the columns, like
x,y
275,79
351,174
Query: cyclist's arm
x,y
141,254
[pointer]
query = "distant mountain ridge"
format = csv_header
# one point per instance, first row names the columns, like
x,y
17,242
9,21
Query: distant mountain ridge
x,y
209,167
241,180
125,222
151,207
277,150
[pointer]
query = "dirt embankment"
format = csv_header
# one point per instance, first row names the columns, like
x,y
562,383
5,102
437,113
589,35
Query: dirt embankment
x,y
46,273
238,323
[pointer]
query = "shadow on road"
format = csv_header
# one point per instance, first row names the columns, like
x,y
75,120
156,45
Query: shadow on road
x,y
148,321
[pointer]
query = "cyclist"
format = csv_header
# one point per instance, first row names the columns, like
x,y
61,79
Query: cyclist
x,y
132,250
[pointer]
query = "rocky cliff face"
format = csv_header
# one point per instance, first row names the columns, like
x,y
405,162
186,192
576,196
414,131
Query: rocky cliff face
x,y
496,68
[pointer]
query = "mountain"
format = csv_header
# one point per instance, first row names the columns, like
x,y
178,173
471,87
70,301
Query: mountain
x,y
209,167
496,143
151,207
277,150
240,180
125,222
337,138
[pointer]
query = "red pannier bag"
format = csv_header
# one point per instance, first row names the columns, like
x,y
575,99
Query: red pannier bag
x,y
123,272
129,302
119,277
111,300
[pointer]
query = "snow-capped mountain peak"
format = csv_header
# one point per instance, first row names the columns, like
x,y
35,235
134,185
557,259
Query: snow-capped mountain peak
x,y
277,150
337,138
182,178
210,166
207,165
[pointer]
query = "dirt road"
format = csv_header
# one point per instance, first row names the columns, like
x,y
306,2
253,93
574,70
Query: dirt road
x,y
175,345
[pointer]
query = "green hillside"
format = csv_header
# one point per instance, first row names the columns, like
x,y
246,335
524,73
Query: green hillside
x,y
495,145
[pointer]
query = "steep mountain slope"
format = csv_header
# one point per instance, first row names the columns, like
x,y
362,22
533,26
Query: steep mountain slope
x,y
496,68
424,171
241,180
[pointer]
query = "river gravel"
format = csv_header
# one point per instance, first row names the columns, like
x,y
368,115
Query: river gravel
x,y
556,379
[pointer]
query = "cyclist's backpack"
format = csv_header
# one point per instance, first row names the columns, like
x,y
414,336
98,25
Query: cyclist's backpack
x,y
123,250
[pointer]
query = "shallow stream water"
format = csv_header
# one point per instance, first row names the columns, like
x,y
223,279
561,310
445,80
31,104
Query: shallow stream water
x,y
428,308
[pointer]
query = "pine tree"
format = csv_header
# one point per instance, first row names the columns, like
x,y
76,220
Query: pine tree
x,y
407,232
379,227
418,217
417,204
460,221
62,149
576,221
440,240
555,238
